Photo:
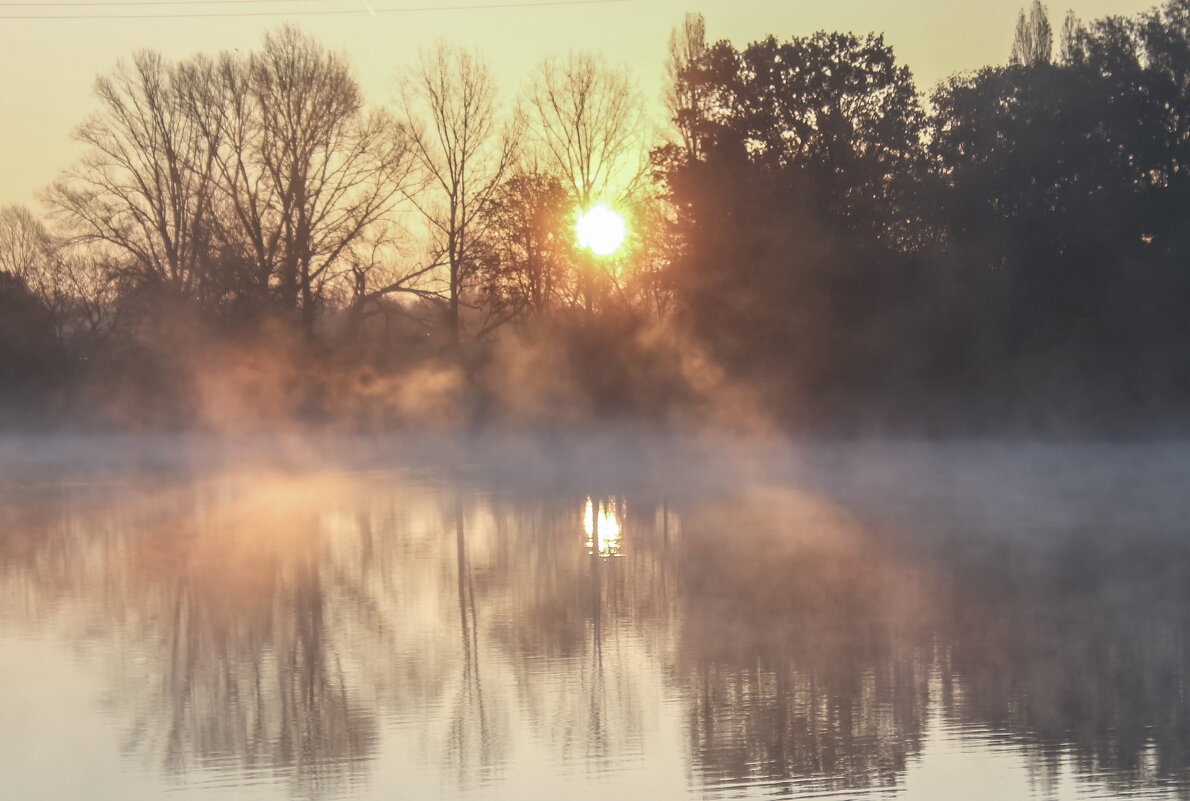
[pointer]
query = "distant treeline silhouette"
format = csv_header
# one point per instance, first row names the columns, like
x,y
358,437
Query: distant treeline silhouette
x,y
245,241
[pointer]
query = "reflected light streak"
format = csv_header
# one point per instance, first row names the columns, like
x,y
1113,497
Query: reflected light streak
x,y
604,532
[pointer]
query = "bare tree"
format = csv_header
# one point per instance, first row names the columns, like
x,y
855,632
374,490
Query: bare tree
x,y
69,281
243,175
28,252
87,293
307,171
377,277
303,172
684,100
218,96
144,186
452,115
588,125
1033,42
528,257
24,242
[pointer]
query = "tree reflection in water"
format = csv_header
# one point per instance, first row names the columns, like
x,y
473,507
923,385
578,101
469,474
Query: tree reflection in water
x,y
291,626
211,612
806,650
1081,638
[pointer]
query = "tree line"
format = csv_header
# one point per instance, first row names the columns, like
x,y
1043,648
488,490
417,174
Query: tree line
x,y
1011,251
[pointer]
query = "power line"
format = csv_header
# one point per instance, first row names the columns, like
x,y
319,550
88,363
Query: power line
x,y
367,9
154,3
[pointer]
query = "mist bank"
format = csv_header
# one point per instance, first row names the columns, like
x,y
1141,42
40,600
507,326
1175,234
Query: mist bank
x,y
866,475
579,375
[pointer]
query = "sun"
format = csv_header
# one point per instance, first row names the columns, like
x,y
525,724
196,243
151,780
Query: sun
x,y
601,230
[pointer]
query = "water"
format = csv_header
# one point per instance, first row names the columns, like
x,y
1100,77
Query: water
x,y
637,619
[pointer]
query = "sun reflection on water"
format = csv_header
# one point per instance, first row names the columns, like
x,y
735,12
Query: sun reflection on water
x,y
604,532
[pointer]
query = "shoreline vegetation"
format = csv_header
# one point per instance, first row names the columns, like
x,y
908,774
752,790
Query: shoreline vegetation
x,y
815,246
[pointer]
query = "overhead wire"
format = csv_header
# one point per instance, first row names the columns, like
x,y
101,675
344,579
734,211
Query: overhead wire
x,y
368,8
108,3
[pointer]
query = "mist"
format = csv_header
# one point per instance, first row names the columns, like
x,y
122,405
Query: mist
x,y
844,453
815,258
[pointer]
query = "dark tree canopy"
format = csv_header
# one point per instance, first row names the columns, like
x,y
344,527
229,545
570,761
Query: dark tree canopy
x,y
1016,252
835,109
800,202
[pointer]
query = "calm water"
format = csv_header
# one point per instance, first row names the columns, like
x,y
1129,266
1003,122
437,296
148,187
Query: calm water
x,y
569,621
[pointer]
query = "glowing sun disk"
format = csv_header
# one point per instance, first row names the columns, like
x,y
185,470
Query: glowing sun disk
x,y
601,230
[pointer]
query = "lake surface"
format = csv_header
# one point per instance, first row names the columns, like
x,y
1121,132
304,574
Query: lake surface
x,y
612,618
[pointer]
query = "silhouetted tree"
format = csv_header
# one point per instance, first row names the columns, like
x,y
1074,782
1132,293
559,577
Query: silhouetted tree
x,y
587,123
1068,40
24,242
28,252
1033,42
1062,179
311,172
67,281
454,125
145,184
808,221
684,99
804,199
32,361
528,263
835,108
247,176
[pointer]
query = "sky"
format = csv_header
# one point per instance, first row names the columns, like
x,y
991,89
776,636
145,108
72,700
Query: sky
x,y
47,66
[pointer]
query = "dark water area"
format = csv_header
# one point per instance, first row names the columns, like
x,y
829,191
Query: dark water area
x,y
618,617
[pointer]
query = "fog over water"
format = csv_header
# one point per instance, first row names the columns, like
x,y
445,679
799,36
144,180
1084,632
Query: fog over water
x,y
335,464
592,615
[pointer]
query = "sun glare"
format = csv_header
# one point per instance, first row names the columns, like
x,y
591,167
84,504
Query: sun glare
x,y
601,230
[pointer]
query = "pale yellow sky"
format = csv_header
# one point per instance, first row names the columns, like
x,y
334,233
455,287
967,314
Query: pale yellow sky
x,y
47,66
